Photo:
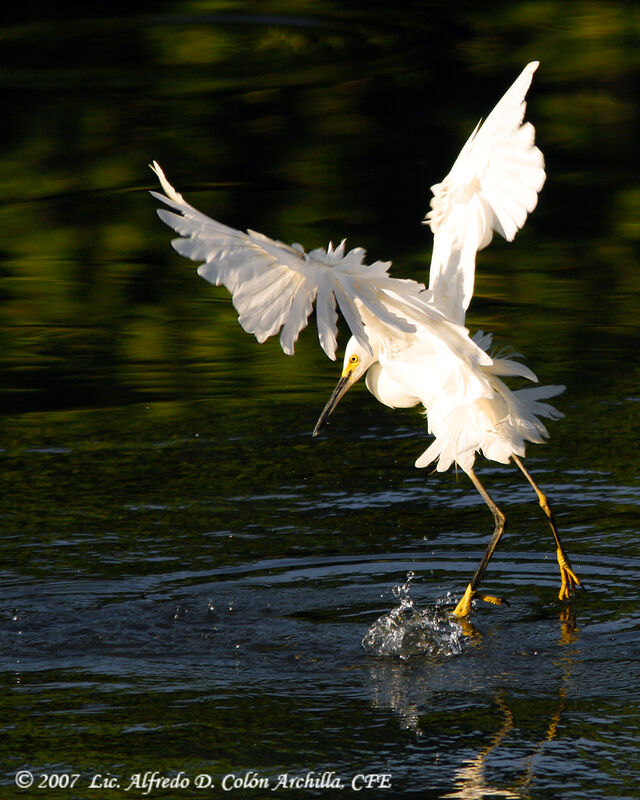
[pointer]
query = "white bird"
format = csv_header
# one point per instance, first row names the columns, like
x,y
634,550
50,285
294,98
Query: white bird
x,y
411,342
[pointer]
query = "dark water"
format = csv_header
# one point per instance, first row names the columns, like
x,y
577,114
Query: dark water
x,y
187,576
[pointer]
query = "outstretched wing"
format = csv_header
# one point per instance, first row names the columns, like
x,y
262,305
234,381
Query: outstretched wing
x,y
492,186
274,285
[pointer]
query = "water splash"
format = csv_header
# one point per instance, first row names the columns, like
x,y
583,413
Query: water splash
x,y
409,631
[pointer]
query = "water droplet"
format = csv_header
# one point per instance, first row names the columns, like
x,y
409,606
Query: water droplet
x,y
408,630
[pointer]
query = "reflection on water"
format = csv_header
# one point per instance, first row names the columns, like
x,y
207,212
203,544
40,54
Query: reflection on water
x,y
187,576
470,779
410,692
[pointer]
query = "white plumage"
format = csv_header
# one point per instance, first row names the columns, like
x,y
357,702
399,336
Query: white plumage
x,y
410,342
492,186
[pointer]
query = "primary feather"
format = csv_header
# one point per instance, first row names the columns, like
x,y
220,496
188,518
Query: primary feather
x,y
274,286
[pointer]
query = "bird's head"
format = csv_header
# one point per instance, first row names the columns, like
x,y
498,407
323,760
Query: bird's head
x,y
357,361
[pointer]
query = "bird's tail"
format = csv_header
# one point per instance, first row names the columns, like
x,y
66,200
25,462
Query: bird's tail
x,y
497,425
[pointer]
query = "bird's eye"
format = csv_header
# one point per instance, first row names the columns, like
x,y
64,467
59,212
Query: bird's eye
x,y
353,359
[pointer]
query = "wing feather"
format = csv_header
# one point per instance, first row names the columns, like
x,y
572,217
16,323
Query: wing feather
x,y
296,319
266,319
274,285
492,186
351,314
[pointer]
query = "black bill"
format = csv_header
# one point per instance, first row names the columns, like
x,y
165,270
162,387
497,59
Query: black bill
x,y
343,384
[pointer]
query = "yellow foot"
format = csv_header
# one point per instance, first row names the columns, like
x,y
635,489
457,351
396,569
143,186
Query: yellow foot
x,y
464,606
569,580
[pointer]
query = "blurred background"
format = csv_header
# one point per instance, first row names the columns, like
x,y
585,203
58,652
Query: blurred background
x,y
310,121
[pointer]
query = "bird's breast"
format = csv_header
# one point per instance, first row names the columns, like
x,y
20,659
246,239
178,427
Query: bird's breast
x,y
389,391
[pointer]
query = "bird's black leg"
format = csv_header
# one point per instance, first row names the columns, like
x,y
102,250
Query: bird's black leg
x,y
464,606
568,578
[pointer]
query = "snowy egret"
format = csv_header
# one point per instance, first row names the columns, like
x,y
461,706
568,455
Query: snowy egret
x,y
410,341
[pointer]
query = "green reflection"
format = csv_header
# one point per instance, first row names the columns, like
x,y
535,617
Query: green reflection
x,y
317,123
